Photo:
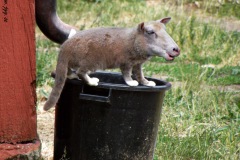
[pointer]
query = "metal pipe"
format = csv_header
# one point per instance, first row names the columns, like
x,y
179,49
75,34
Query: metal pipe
x,y
49,22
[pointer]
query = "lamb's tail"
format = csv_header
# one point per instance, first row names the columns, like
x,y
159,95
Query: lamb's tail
x,y
60,78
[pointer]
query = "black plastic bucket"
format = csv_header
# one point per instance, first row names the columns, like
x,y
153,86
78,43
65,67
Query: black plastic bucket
x,y
109,122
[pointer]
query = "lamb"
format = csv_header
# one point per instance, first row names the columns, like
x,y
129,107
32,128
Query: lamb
x,y
107,48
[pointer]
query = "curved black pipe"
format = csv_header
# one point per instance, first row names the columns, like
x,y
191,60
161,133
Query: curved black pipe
x,y
49,22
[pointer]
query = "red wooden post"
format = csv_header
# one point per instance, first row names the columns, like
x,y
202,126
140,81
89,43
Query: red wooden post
x,y
18,131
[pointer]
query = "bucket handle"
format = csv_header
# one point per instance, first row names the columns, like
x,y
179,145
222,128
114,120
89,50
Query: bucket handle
x,y
97,98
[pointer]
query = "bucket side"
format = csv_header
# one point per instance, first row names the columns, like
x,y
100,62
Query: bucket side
x,y
125,128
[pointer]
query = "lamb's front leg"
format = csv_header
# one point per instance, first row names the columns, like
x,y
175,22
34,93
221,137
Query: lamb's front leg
x,y
137,71
127,73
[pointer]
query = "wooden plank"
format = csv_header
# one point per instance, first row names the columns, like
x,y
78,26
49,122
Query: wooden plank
x,y
17,71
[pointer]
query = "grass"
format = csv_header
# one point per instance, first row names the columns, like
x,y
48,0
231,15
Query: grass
x,y
221,8
199,120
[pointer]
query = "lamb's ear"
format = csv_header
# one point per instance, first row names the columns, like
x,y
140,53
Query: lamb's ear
x,y
165,20
141,27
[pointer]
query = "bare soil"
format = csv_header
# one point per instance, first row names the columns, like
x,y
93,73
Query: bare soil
x,y
45,129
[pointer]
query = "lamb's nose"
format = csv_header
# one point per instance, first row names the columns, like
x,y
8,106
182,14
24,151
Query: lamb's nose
x,y
177,50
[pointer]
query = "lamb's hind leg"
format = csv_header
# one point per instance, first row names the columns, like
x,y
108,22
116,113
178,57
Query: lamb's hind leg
x,y
72,74
85,77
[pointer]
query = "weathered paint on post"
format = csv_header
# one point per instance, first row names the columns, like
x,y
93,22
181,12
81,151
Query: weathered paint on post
x,y
17,74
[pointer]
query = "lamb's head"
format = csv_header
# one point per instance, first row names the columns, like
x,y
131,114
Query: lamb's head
x,y
156,41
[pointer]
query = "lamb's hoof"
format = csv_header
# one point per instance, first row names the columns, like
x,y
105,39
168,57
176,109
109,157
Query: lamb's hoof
x,y
132,83
93,81
150,84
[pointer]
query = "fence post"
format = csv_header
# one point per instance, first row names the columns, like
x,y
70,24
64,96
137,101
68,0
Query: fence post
x,y
18,125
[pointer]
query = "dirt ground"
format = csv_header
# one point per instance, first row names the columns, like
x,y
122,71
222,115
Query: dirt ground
x,y
45,129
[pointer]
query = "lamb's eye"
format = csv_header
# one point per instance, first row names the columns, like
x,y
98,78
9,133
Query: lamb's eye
x,y
150,32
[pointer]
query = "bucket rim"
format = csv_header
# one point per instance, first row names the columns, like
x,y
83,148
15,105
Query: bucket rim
x,y
164,84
